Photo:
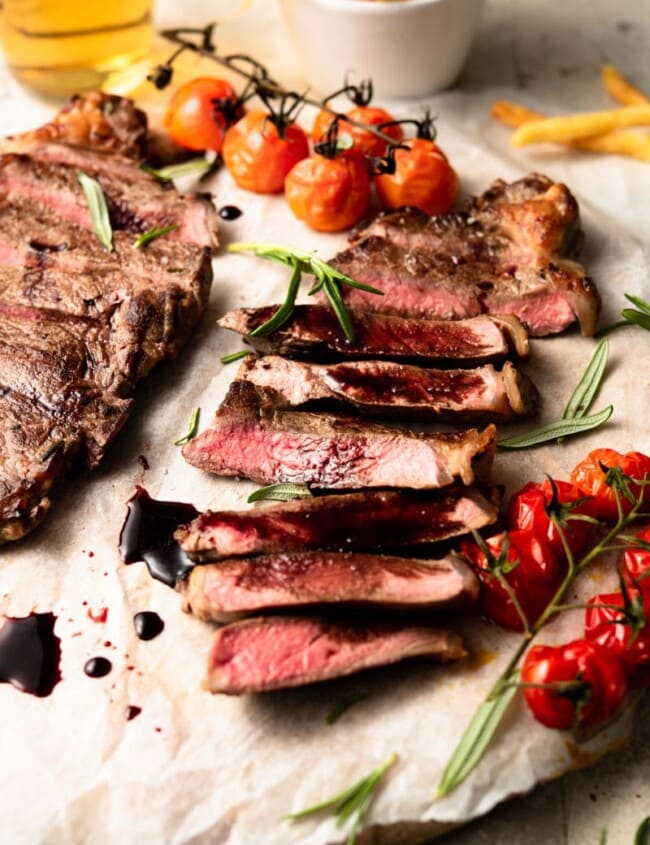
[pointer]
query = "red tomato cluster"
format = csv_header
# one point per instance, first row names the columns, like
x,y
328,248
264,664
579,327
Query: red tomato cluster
x,y
583,682
331,191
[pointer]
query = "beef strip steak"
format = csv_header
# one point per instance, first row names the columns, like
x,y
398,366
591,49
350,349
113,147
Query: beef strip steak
x,y
268,653
373,519
314,332
390,390
81,324
250,437
508,252
232,589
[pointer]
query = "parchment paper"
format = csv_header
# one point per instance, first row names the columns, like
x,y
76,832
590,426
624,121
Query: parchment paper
x,y
193,768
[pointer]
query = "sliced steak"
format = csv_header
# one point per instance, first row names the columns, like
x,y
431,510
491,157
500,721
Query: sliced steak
x,y
232,589
250,437
390,390
314,332
268,653
374,519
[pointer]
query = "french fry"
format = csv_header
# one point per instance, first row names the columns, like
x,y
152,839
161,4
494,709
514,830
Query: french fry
x,y
633,144
577,126
620,89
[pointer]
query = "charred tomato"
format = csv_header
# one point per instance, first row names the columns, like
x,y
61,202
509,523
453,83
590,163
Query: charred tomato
x,y
636,566
623,630
364,140
200,111
605,471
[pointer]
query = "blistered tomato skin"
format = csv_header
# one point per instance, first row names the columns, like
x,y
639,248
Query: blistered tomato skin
x,y
579,661
423,179
589,477
363,141
535,577
607,627
193,118
258,156
636,567
329,194
527,510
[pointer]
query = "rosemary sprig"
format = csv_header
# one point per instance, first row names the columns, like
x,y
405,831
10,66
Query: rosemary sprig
x,y
185,168
556,430
327,278
235,356
283,492
152,234
191,429
642,835
353,801
586,389
639,316
98,209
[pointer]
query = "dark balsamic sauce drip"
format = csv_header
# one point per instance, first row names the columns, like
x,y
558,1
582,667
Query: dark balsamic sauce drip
x,y
97,667
30,653
131,712
230,212
147,625
148,535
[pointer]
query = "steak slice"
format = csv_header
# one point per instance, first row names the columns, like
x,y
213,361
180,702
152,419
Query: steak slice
x,y
250,437
396,391
547,297
373,519
232,589
314,332
268,653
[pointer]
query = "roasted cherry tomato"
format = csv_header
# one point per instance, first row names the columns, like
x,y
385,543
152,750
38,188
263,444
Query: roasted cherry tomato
x,y
259,155
329,193
363,141
589,477
423,178
530,568
608,627
636,567
598,692
200,111
527,510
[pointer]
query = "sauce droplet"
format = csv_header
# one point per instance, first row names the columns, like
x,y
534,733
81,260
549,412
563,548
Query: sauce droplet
x,y
148,535
147,624
97,667
230,212
132,711
30,653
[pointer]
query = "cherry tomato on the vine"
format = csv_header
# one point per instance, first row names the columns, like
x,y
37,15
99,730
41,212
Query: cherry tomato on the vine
x,y
589,477
199,112
329,194
608,627
598,693
527,510
363,140
636,567
259,155
530,568
423,178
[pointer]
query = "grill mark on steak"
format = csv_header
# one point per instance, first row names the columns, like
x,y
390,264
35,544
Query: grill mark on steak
x,y
373,519
390,390
268,653
250,437
231,589
314,332
509,251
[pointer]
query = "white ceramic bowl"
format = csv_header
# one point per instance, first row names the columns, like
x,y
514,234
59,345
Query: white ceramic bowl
x,y
409,48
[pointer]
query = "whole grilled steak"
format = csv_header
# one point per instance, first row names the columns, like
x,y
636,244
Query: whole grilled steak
x,y
314,332
231,589
373,519
390,390
250,437
268,653
510,251
79,323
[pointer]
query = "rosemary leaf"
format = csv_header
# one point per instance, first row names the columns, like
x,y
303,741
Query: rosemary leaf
x,y
98,209
642,835
235,356
152,234
602,840
476,738
185,168
191,428
636,318
641,304
344,704
553,431
335,299
285,311
283,492
586,389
